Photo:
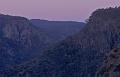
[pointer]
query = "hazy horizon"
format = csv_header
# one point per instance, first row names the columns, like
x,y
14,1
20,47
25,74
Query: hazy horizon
x,y
57,10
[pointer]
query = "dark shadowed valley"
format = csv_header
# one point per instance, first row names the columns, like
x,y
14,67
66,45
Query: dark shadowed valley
x,y
58,30
59,38
21,41
81,53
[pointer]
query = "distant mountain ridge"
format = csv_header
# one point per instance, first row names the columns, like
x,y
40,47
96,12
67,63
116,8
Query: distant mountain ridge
x,y
80,55
59,30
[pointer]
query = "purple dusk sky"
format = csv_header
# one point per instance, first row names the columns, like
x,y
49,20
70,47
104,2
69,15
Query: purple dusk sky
x,y
75,10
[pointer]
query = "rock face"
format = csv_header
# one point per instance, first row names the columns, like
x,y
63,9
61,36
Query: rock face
x,y
59,30
111,66
20,40
80,55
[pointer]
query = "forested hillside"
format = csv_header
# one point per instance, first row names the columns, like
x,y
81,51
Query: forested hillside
x,y
20,40
80,55
111,65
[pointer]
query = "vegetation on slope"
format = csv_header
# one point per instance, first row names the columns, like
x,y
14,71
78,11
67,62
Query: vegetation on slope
x,y
111,65
80,55
20,40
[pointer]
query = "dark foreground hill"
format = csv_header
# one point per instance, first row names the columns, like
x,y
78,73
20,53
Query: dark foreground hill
x,y
80,55
111,66
58,30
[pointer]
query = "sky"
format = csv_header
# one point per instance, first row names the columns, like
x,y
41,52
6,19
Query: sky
x,y
57,10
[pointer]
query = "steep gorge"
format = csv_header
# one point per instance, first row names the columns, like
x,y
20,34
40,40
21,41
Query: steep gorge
x,y
80,55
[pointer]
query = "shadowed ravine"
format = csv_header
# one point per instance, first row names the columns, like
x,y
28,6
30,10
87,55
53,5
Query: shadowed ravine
x,y
79,55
